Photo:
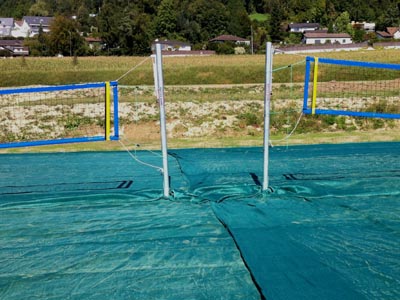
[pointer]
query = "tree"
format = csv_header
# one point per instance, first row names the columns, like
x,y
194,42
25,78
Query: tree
x,y
166,19
330,12
83,18
316,14
239,23
361,12
129,26
35,47
210,15
189,29
330,27
43,40
15,9
64,37
108,20
342,22
276,20
260,39
359,35
127,31
141,37
391,17
64,7
39,9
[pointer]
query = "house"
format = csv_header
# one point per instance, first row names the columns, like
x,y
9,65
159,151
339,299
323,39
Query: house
x,y
382,35
30,26
368,27
35,23
394,32
390,33
230,38
93,42
303,27
312,38
177,48
6,25
13,48
167,45
20,29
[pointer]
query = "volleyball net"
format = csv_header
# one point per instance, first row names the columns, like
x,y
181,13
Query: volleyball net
x,y
351,88
60,114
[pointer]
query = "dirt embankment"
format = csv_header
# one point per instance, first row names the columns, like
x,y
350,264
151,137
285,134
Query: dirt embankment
x,y
33,118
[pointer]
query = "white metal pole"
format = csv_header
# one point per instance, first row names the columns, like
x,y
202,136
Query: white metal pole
x,y
154,58
267,102
161,101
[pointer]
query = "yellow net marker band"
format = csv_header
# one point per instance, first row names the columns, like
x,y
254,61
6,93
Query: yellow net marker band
x,y
314,95
108,111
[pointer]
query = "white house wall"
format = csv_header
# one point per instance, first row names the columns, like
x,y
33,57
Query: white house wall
x,y
302,30
314,41
21,31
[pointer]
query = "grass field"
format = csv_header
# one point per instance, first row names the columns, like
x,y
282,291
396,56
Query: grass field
x,y
231,69
259,17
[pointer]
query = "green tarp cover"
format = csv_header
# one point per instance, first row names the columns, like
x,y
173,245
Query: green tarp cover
x,y
95,226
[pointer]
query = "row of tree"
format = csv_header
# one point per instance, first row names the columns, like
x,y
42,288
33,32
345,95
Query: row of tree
x,y
129,26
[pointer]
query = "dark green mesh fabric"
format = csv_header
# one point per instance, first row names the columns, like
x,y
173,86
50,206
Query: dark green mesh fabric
x,y
94,225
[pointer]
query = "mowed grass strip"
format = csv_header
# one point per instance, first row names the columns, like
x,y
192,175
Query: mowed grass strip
x,y
189,70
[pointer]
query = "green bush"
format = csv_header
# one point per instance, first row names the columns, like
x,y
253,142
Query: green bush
x,y
250,119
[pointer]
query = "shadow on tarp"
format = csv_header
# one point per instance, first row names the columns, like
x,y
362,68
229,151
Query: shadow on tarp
x,y
95,225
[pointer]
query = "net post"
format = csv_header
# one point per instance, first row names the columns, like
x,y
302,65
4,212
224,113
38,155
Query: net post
x,y
116,114
108,111
159,84
306,83
315,84
267,102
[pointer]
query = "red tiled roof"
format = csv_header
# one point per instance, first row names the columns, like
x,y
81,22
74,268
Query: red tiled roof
x,y
392,30
93,40
384,34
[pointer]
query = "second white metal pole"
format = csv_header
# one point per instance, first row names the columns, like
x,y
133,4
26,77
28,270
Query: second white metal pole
x,y
161,101
267,105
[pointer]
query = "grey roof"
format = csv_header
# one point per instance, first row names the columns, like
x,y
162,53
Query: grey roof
x,y
304,25
8,22
11,43
228,37
37,21
326,35
15,47
6,25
